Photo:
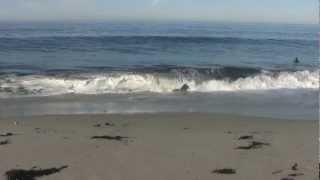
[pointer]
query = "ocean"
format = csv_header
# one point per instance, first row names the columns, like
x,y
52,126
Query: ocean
x,y
135,67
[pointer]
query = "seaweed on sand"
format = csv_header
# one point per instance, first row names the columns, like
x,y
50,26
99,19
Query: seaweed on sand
x,y
115,138
254,145
20,174
5,142
6,134
245,137
224,171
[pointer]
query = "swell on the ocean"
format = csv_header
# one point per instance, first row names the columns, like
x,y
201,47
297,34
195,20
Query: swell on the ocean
x,y
156,82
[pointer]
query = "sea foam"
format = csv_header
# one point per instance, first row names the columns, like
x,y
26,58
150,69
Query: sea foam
x,y
126,82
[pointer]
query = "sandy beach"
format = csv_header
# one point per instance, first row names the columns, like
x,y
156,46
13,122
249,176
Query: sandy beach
x,y
160,146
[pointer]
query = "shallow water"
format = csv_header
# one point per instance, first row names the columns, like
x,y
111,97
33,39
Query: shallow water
x,y
289,104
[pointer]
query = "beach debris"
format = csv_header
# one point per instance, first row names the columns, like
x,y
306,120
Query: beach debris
x,y
224,171
6,134
294,167
20,174
296,174
5,142
277,172
254,145
115,138
245,137
108,124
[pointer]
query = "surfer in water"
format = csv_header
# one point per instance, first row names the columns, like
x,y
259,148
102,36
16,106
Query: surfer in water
x,y
183,88
296,60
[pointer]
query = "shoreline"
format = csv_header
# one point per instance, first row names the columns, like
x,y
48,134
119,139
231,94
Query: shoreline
x,y
293,104
160,146
205,115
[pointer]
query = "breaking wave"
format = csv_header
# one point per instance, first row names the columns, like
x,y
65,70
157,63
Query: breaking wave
x,y
157,82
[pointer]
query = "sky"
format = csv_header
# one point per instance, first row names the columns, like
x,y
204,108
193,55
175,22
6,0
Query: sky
x,y
283,11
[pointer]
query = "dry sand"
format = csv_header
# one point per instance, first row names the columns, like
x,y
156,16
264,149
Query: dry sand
x,y
160,147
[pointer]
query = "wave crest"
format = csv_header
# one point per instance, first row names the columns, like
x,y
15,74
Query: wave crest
x,y
124,82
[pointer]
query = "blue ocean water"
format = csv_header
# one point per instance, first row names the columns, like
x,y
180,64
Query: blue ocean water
x,y
152,59
34,47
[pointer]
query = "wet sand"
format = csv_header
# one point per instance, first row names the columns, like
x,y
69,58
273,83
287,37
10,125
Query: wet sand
x,y
160,147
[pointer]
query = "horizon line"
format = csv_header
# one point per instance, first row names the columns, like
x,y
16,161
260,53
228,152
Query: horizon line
x,y
151,20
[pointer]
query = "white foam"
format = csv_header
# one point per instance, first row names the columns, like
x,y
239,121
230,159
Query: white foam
x,y
265,81
130,83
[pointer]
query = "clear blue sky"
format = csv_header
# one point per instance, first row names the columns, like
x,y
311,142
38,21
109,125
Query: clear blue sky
x,y
289,11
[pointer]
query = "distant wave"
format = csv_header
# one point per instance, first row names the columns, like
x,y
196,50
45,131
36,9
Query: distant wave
x,y
60,41
224,39
160,80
